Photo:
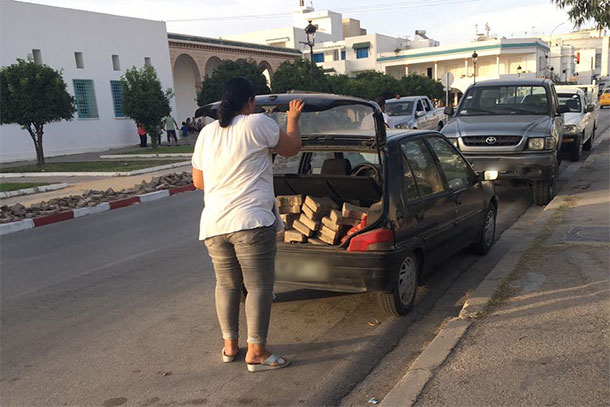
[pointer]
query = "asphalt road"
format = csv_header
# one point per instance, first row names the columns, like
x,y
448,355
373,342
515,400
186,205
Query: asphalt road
x,y
118,309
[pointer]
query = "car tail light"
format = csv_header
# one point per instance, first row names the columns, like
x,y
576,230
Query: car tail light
x,y
377,239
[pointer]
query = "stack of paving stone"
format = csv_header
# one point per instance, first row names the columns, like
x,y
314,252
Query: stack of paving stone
x,y
317,220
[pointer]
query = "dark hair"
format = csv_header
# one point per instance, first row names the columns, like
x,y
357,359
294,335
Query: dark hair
x,y
235,94
380,101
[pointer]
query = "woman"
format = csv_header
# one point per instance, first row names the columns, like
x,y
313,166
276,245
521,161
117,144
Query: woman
x,y
232,164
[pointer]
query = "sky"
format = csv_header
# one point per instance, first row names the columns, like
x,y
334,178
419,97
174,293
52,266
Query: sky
x,y
447,21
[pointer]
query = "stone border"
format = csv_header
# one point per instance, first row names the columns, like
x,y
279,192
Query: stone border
x,y
159,155
24,224
33,190
406,392
95,174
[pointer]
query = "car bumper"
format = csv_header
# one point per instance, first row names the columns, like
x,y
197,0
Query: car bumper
x,y
529,166
335,269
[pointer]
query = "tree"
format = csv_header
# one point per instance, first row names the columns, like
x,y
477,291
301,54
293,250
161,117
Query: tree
x,y
32,95
580,11
211,86
420,85
296,75
144,99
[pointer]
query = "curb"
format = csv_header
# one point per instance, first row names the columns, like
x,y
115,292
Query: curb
x,y
410,386
7,228
34,190
160,155
95,174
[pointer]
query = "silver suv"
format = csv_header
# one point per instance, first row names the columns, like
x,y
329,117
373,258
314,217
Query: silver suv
x,y
514,127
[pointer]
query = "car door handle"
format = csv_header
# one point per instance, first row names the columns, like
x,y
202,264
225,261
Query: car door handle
x,y
458,202
419,216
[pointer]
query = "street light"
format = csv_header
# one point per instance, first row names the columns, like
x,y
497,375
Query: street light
x,y
475,56
310,31
519,70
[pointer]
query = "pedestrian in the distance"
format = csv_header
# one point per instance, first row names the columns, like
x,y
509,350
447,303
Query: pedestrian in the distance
x,y
232,163
170,129
185,130
381,102
142,133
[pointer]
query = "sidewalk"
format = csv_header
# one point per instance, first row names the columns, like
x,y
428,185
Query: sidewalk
x,y
547,339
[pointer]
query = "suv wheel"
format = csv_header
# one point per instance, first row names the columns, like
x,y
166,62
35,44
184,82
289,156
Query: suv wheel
x,y
440,126
576,150
589,143
400,300
544,191
488,231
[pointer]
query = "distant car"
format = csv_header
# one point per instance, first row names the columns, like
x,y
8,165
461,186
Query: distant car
x,y
605,98
414,112
425,201
579,121
512,126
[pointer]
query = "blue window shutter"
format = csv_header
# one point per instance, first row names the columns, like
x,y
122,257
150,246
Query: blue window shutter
x,y
362,53
319,57
342,55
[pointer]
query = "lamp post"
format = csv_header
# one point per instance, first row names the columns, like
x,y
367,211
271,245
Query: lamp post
x,y
310,31
519,69
475,56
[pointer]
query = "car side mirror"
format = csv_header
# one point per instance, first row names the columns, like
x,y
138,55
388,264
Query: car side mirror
x,y
419,114
563,109
449,110
589,108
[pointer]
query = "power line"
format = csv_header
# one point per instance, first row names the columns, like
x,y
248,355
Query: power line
x,y
364,8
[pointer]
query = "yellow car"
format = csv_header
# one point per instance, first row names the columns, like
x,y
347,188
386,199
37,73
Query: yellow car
x,y
605,99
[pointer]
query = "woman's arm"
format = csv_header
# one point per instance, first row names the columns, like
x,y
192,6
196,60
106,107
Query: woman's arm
x,y
198,178
290,141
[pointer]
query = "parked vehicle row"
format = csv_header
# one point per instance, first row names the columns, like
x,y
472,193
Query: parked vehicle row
x,y
580,120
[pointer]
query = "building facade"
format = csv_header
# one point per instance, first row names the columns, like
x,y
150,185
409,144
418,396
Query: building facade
x,y
92,53
503,58
192,58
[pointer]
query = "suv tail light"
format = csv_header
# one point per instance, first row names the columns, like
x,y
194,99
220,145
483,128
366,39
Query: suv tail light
x,y
377,239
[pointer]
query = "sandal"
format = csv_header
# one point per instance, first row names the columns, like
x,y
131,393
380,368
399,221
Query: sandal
x,y
228,359
268,364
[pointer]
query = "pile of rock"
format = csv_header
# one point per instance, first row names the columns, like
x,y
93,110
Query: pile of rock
x,y
18,211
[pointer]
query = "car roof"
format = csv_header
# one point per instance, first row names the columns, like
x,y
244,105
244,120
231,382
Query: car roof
x,y
512,82
397,134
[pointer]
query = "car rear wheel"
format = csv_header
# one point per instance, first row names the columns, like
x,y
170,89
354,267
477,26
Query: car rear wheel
x,y
576,150
400,300
488,231
589,143
440,126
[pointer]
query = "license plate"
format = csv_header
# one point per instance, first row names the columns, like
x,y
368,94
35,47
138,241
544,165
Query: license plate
x,y
291,269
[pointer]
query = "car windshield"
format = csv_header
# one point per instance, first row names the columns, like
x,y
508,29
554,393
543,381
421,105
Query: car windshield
x,y
338,119
399,108
571,100
505,100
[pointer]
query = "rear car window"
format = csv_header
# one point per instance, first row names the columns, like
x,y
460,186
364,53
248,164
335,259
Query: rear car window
x,y
290,165
399,108
424,169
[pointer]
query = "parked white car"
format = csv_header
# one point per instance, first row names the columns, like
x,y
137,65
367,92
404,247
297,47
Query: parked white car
x,y
580,121
414,112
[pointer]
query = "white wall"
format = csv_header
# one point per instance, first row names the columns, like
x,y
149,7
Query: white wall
x,y
58,33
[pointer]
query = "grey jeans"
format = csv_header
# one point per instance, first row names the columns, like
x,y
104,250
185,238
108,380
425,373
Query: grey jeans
x,y
244,258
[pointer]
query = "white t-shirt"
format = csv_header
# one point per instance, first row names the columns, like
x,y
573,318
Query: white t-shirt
x,y
238,174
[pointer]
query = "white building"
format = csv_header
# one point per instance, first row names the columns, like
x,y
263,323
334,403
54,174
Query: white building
x,y
92,50
342,46
496,59
586,55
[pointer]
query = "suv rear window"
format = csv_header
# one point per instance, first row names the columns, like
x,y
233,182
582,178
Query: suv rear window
x,y
571,100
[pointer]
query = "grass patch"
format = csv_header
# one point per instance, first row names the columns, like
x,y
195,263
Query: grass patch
x,y
14,186
164,150
91,166
528,259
